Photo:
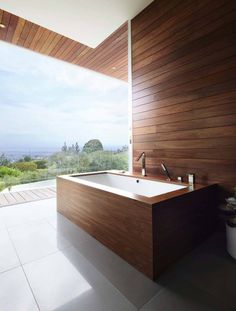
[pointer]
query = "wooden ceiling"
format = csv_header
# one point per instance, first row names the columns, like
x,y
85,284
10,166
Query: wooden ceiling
x,y
109,58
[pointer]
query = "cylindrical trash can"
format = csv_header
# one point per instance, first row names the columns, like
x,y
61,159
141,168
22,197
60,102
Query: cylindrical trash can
x,y
231,237
229,213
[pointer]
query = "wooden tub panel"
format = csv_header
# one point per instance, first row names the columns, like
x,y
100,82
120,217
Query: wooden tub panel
x,y
122,224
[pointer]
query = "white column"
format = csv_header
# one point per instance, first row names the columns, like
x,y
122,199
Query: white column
x,y
130,97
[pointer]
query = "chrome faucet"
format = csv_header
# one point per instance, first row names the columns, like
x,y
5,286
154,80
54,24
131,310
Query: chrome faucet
x,y
165,171
142,156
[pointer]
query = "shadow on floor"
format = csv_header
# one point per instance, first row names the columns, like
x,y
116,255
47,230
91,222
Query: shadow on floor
x,y
202,280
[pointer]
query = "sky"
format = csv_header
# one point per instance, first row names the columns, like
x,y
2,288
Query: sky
x,y
44,102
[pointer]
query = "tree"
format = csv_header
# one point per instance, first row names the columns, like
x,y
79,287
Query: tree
x,y
92,146
125,148
3,160
27,158
64,147
77,149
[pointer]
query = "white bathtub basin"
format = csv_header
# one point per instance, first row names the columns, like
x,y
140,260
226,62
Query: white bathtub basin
x,y
147,188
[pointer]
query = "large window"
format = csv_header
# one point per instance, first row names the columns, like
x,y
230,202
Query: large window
x,y
57,118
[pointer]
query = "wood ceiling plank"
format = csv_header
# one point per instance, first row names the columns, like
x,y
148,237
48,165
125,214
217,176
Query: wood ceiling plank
x,y
5,21
101,49
42,39
31,35
58,46
11,28
36,38
24,33
47,43
19,28
66,46
107,54
78,46
84,50
1,14
112,52
53,44
111,41
121,55
67,50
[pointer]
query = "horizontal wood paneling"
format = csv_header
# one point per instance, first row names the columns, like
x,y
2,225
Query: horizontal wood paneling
x,y
112,52
122,224
184,94
181,223
138,228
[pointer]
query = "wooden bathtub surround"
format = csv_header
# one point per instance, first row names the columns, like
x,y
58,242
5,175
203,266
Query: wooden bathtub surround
x,y
148,232
181,223
122,224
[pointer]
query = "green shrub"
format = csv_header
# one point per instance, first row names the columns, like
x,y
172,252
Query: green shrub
x,y
29,176
41,164
25,166
10,181
2,185
8,171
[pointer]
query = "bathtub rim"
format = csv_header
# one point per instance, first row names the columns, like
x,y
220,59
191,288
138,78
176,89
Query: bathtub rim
x,y
148,200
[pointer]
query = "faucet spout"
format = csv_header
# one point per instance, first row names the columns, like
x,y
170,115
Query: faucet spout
x,y
142,156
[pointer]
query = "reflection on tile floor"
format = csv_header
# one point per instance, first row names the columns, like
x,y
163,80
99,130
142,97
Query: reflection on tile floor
x,y
48,263
8,257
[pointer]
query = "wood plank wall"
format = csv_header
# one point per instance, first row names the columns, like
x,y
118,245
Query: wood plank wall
x,y
184,89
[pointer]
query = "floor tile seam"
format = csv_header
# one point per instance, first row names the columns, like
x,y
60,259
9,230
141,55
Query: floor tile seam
x,y
9,269
46,219
14,247
124,298
23,264
28,262
49,254
3,224
26,202
60,234
205,291
30,223
109,281
152,298
103,275
22,268
31,289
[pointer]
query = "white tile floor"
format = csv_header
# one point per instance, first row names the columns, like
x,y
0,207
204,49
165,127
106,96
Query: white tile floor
x,y
8,257
48,263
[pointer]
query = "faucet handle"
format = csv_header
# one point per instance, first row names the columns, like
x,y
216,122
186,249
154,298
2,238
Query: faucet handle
x,y
191,178
140,156
165,171
143,157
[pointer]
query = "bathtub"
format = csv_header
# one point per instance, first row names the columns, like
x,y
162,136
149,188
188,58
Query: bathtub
x,y
150,223
134,185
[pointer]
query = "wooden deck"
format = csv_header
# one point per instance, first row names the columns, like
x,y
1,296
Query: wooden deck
x,y
12,198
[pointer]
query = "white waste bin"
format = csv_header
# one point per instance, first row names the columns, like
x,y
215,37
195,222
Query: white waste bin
x,y
228,211
231,237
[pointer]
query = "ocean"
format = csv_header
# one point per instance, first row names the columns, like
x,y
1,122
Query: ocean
x,y
15,155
